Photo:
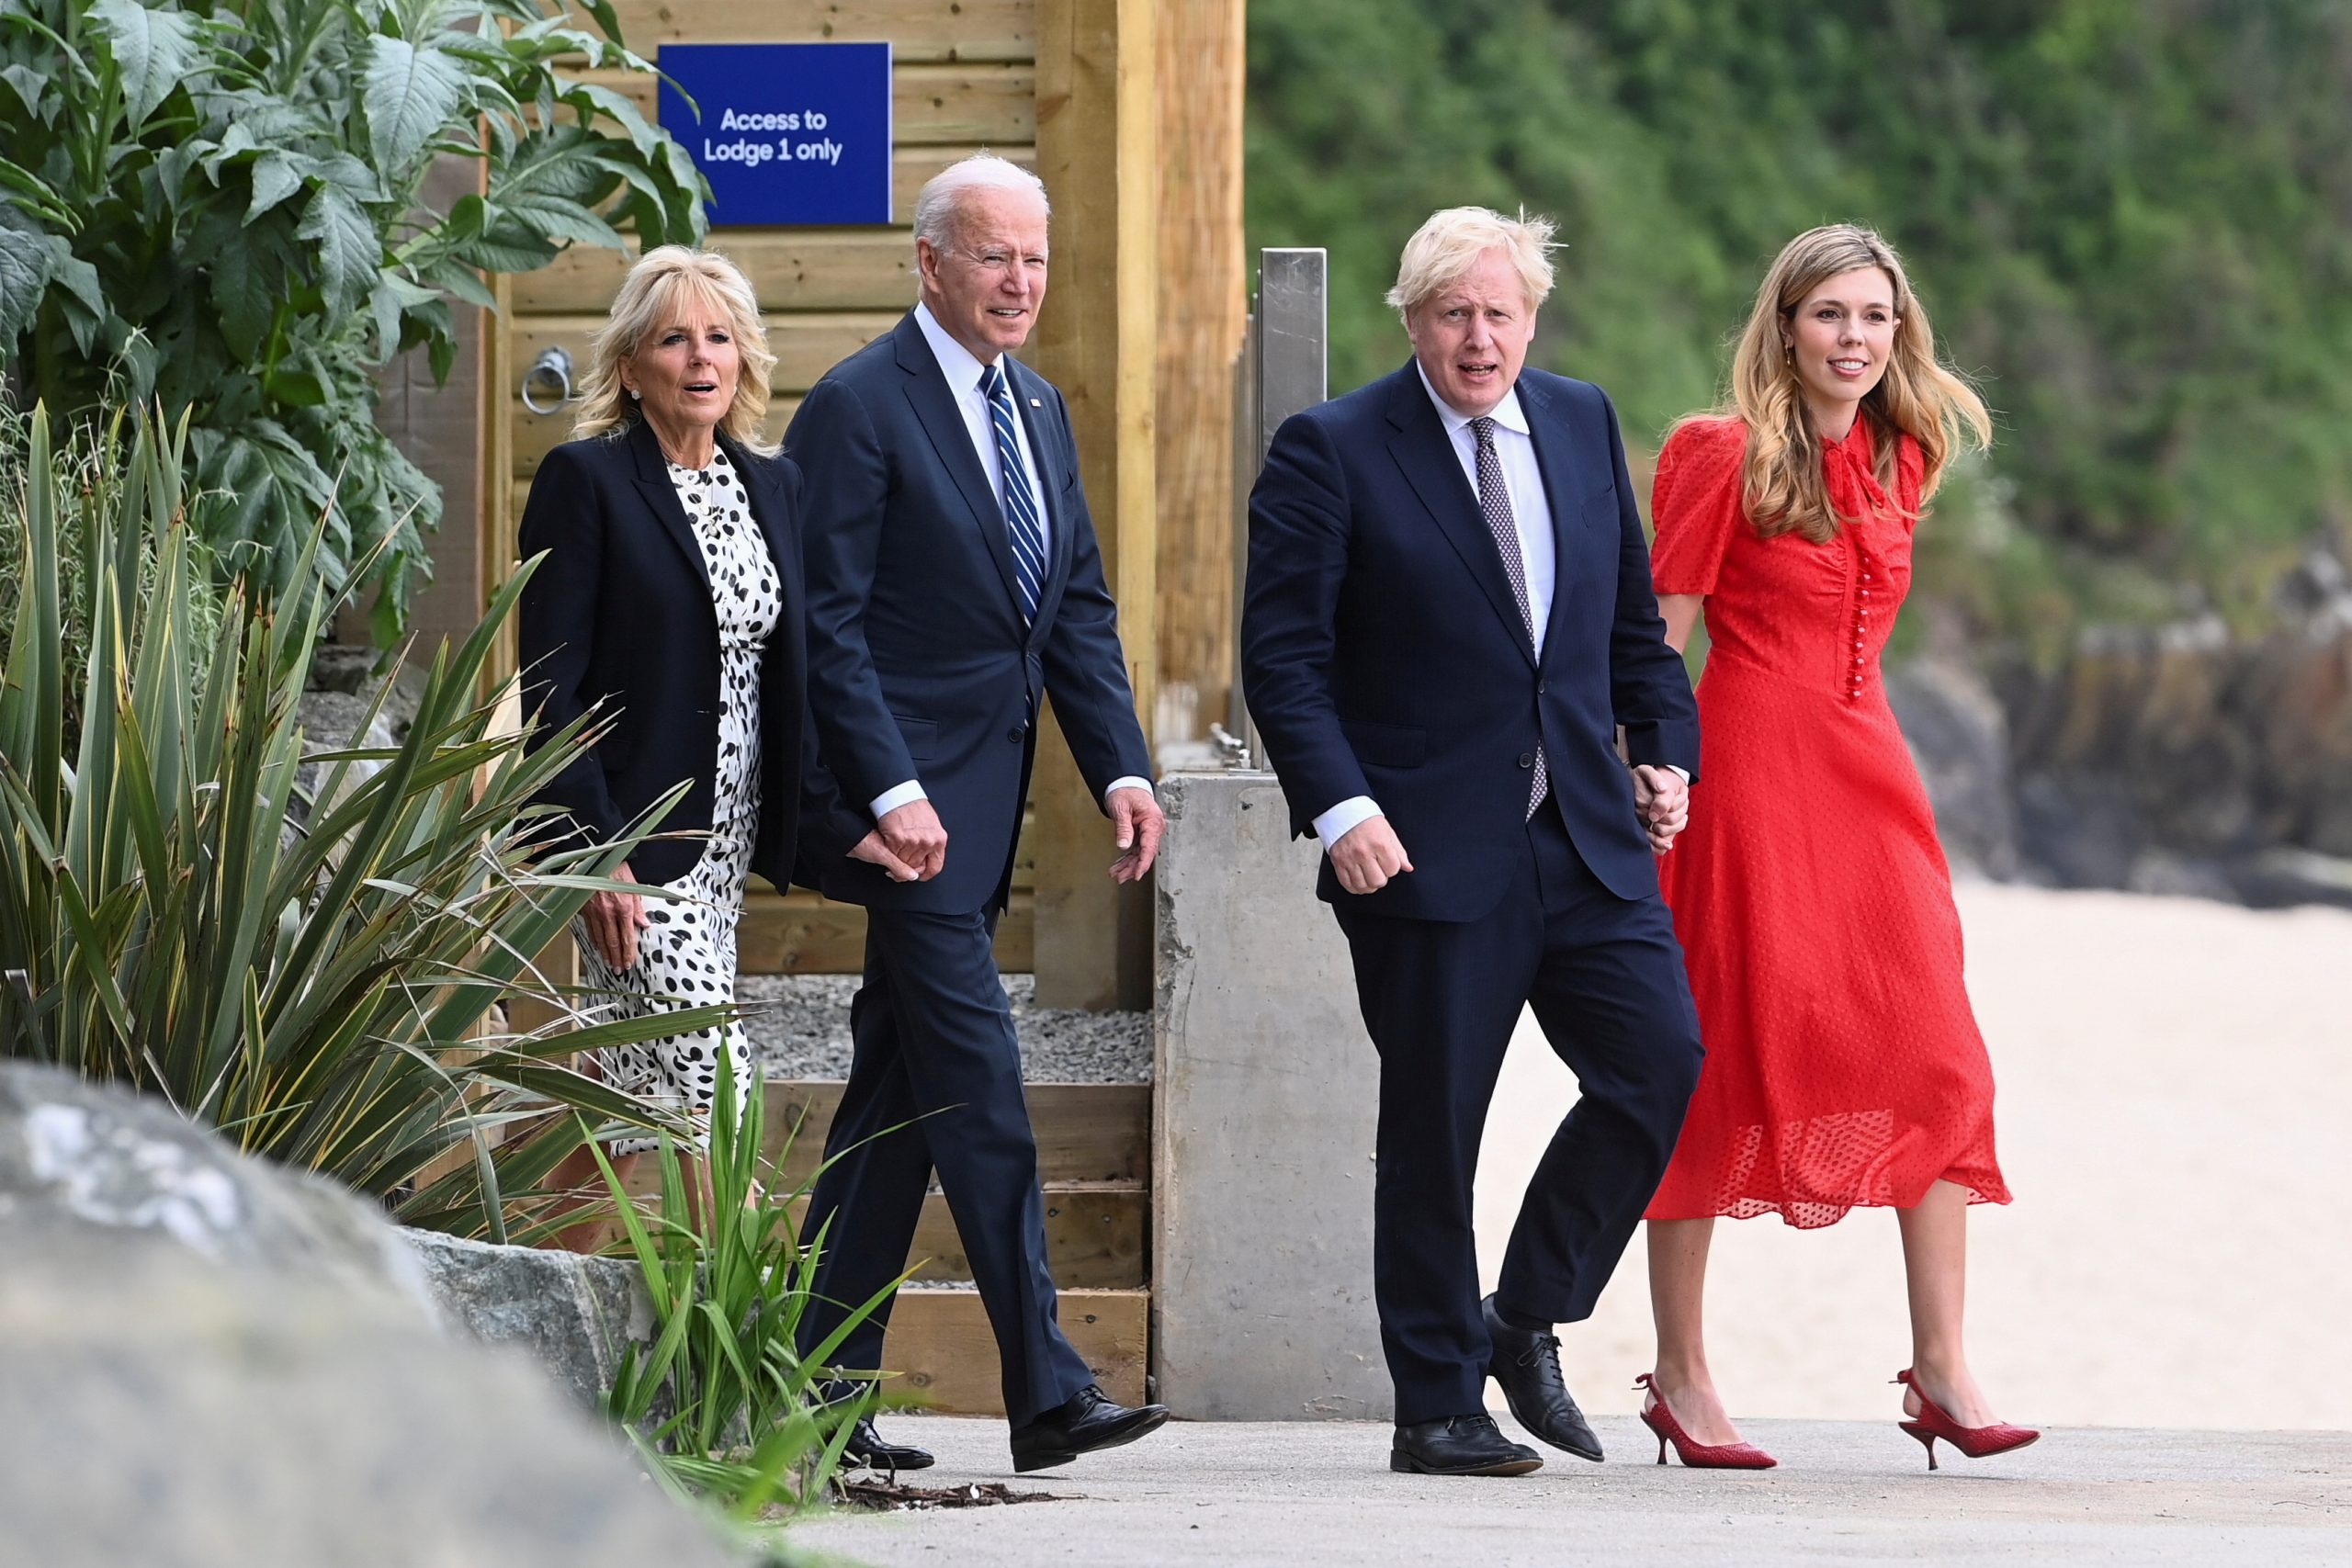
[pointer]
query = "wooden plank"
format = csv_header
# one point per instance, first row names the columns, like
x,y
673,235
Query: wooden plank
x,y
929,104
1096,135
1087,1133
806,344
1093,1238
790,269
917,29
534,436
941,1345
1203,308
801,933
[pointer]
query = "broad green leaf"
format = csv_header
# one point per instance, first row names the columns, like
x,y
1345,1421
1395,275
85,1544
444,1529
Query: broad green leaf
x,y
26,267
277,176
554,217
153,50
410,94
350,252
240,289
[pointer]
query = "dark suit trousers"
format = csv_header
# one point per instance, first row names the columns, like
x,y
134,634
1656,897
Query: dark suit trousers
x,y
1440,1000
935,1082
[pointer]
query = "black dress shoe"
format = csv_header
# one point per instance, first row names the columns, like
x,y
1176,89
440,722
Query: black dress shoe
x,y
1527,1363
872,1450
1086,1422
1460,1445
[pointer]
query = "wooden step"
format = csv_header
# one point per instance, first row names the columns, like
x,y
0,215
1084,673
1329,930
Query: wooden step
x,y
1087,1133
801,933
1094,1237
941,1345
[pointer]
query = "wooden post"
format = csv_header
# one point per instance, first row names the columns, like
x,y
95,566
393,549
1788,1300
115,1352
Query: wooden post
x,y
1096,135
1203,313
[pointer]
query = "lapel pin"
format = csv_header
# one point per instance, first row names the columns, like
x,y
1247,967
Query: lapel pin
x,y
1036,402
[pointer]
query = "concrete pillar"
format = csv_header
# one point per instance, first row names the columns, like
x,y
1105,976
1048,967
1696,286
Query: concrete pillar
x,y
1265,1090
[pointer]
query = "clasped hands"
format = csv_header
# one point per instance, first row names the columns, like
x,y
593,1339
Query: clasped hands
x,y
1369,855
910,843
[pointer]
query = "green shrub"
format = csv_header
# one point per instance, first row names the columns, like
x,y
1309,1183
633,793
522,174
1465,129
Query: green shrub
x,y
220,203
319,991
731,1280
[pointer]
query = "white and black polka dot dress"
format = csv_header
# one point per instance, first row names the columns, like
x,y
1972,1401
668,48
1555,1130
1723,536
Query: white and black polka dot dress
x,y
686,956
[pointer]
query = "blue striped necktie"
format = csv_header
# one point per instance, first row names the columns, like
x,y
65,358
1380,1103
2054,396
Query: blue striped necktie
x,y
1020,506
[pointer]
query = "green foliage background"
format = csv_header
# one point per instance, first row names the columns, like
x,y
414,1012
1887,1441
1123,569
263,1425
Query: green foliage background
x,y
2131,221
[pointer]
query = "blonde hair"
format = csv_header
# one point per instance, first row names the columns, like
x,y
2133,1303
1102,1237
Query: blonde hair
x,y
1443,250
1782,488
647,297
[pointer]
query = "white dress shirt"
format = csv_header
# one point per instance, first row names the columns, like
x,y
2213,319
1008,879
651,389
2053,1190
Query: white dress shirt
x,y
964,371
1530,513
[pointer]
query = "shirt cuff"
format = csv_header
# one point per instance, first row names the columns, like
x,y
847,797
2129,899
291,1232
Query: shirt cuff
x,y
889,800
1334,824
1128,782
1684,772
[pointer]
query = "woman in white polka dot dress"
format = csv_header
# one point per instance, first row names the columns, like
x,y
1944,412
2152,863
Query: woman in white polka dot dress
x,y
669,603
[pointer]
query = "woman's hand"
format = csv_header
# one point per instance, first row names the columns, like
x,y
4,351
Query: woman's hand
x,y
614,920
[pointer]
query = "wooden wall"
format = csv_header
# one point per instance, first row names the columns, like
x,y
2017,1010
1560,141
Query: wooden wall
x,y
1088,92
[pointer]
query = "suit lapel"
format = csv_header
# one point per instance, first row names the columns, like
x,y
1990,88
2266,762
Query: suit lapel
x,y
653,481
1427,458
1561,488
943,421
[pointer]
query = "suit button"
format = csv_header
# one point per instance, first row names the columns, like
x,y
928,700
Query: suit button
x,y
1540,688
1016,732
1527,759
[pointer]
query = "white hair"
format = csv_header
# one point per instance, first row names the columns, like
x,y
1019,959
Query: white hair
x,y
1443,250
938,205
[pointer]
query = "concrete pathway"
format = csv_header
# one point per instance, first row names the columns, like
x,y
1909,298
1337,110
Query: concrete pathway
x,y
1312,1496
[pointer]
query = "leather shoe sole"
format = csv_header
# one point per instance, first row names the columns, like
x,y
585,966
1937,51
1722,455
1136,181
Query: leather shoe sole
x,y
1400,1460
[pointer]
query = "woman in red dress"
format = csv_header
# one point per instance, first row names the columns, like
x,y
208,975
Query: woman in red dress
x,y
1844,1067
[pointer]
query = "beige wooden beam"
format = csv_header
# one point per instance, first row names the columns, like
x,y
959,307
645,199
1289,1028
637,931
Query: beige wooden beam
x,y
1204,311
1096,136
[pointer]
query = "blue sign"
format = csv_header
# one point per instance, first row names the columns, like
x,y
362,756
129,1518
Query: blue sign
x,y
788,132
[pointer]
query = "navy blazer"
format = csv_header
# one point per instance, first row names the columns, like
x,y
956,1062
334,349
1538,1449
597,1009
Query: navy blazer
x,y
920,665
1383,653
619,614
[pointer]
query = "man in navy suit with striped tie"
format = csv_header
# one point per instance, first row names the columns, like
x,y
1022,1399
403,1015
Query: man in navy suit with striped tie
x,y
1448,622
954,583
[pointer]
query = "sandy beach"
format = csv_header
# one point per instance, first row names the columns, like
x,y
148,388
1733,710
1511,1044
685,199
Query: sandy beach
x,y
2174,1082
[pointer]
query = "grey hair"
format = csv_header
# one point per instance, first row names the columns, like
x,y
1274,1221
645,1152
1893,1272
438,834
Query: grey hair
x,y
937,205
1443,250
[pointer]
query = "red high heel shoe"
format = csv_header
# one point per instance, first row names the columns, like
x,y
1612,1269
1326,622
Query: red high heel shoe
x,y
1976,1442
1658,1416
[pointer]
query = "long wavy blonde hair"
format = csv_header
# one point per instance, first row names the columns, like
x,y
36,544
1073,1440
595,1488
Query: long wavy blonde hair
x,y
1783,488
646,301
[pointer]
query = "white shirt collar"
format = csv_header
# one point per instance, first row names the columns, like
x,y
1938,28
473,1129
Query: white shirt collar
x,y
1507,413
958,363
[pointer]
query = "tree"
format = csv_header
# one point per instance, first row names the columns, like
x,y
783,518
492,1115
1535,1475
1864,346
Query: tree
x,y
216,206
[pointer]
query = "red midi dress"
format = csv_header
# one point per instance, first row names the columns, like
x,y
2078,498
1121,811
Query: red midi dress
x,y
1844,1067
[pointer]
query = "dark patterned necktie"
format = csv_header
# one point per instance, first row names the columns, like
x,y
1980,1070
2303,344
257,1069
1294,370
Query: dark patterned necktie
x,y
1020,506
1494,503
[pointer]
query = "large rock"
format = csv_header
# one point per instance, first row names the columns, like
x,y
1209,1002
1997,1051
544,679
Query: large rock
x,y
576,1316
211,1364
2206,749
1959,738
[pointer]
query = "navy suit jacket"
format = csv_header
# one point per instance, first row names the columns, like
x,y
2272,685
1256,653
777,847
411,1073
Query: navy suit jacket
x,y
920,665
1383,653
619,618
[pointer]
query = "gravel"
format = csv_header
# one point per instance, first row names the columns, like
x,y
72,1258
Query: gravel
x,y
800,1026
